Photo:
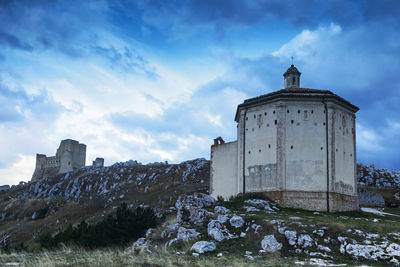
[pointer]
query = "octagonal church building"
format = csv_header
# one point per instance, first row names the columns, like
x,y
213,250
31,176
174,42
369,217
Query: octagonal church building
x,y
296,145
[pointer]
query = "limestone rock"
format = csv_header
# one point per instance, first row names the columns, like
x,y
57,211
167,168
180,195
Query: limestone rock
x,y
236,221
305,241
184,235
270,244
141,244
223,218
196,200
259,203
291,237
190,208
169,231
218,231
221,210
203,246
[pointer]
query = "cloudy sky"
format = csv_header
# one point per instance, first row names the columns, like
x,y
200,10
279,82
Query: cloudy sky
x,y
158,80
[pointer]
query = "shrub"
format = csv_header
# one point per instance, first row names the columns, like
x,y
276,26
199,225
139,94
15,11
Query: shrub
x,y
119,229
41,213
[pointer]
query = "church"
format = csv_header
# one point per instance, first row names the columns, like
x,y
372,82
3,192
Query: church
x,y
296,145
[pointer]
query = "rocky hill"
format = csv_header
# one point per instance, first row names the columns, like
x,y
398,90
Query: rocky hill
x,y
51,204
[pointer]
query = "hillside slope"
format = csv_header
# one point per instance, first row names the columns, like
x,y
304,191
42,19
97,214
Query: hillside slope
x,y
51,204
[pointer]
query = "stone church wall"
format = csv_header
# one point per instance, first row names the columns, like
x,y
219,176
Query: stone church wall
x,y
224,169
260,149
343,152
305,146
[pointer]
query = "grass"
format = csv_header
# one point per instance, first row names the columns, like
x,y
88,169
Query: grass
x,y
73,256
68,256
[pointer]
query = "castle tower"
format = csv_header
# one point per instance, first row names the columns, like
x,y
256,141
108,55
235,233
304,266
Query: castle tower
x,y
70,155
292,77
40,167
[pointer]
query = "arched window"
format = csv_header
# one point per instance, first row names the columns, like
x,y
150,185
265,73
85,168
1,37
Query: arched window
x,y
294,79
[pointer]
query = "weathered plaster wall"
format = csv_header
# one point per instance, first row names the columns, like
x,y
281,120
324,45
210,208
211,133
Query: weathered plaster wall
x,y
260,149
305,148
343,152
223,170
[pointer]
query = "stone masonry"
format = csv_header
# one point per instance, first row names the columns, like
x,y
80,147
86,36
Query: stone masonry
x,y
70,155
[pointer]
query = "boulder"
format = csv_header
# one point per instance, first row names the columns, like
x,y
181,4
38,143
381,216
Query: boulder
x,y
305,241
184,235
221,210
236,221
218,231
190,208
192,215
203,246
169,231
199,200
223,218
141,244
259,203
270,244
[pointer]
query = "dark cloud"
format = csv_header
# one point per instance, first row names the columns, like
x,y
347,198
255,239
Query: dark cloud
x,y
223,15
39,25
69,27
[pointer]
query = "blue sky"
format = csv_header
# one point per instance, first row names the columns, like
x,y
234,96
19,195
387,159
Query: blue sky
x,y
158,80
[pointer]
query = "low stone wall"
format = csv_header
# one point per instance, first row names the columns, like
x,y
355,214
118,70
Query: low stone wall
x,y
371,199
223,176
315,201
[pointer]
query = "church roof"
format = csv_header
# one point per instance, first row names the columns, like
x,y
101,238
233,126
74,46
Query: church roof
x,y
295,93
291,69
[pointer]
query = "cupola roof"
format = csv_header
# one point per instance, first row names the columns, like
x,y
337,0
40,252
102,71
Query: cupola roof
x,y
290,70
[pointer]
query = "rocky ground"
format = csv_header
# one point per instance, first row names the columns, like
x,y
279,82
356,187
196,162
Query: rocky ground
x,y
51,204
257,229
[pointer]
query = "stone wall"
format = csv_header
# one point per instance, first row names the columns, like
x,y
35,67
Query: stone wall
x,y
98,162
69,156
223,170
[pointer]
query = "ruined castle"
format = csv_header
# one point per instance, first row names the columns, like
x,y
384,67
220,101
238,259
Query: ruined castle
x,y
295,145
70,155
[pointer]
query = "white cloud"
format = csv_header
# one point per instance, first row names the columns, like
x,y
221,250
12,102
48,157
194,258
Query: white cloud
x,y
304,46
20,170
368,140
